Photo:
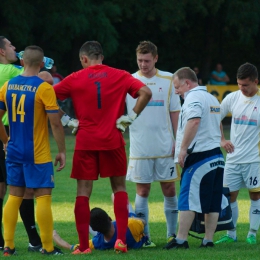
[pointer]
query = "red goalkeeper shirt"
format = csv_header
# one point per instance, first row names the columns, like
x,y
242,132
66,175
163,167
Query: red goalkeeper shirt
x,y
98,94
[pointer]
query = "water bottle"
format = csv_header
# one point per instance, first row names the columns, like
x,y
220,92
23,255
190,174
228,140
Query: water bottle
x,y
48,62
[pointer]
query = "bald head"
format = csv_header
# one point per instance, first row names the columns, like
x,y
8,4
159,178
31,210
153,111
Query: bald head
x,y
46,76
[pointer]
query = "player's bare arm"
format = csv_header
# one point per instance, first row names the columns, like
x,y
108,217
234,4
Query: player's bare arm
x,y
58,133
3,134
226,144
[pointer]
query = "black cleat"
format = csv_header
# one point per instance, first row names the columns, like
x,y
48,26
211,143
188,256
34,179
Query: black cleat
x,y
209,244
174,245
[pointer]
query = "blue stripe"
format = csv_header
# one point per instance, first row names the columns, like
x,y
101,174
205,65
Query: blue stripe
x,y
52,111
2,105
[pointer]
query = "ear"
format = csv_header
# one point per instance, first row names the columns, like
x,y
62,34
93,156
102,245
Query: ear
x,y
156,58
42,65
21,62
2,52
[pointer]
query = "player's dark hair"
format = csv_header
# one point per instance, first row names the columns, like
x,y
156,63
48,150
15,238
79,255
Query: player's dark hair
x,y
247,70
145,47
100,221
2,43
92,49
186,73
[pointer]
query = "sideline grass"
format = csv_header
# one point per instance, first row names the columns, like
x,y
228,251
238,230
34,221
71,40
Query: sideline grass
x,y
63,214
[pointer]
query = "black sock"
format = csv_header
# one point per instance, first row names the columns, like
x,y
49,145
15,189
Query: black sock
x,y
1,218
27,215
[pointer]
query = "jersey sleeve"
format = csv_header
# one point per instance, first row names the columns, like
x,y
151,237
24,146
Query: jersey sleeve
x,y
136,227
63,88
48,97
225,106
175,102
194,108
2,96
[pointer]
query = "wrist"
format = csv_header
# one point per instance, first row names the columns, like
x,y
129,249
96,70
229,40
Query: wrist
x,y
132,115
65,119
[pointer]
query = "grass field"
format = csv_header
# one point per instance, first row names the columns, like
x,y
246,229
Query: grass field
x,y
63,214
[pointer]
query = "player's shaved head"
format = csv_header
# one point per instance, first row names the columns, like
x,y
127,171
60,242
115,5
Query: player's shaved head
x,y
92,49
46,76
145,47
2,42
33,56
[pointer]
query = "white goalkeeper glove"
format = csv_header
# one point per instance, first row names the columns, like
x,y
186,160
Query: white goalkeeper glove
x,y
126,120
70,122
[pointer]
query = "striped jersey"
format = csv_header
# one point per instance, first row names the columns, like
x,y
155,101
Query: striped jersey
x,y
28,100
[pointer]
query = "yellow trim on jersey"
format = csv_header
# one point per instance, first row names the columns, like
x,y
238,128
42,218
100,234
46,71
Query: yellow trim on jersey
x,y
177,169
254,190
91,246
136,226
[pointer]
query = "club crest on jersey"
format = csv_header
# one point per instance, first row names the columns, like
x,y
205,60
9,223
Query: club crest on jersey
x,y
214,110
255,109
160,90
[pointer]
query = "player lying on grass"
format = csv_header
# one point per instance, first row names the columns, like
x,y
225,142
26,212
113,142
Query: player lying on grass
x,y
106,235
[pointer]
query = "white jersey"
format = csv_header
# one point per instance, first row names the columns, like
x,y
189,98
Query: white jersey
x,y
151,134
245,126
200,104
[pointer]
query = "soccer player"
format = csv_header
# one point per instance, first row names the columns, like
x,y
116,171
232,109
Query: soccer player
x,y
7,72
29,102
98,94
152,139
106,235
198,152
242,161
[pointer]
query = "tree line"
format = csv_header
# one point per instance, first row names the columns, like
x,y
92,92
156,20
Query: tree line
x,y
187,33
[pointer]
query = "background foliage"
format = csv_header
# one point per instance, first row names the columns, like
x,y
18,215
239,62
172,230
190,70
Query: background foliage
x,y
187,33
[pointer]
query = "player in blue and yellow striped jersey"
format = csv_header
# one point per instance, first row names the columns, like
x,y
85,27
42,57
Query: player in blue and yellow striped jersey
x,y
30,102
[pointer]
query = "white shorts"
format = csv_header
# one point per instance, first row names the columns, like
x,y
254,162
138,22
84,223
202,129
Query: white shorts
x,y
246,175
150,170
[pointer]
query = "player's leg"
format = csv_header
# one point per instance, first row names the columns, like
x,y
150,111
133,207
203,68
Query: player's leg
x,y
251,177
170,208
113,164
85,169
10,217
233,179
15,180
254,217
28,218
142,173
2,194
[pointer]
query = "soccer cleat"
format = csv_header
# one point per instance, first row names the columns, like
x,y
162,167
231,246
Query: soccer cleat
x,y
56,251
9,252
209,244
226,239
174,245
120,247
32,248
78,252
148,244
171,238
251,240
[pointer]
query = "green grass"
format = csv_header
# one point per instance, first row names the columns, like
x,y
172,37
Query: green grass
x,y
63,214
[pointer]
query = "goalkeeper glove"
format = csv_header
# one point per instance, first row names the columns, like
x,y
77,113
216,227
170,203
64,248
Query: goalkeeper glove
x,y
126,120
70,122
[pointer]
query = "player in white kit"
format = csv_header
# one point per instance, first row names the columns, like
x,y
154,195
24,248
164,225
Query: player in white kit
x,y
242,167
152,139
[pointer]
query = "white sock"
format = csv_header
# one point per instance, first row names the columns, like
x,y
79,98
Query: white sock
x,y
130,208
92,232
171,214
142,211
254,215
234,207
